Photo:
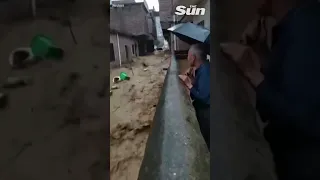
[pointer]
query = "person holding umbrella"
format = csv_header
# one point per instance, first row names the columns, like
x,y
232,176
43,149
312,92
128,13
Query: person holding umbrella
x,y
199,87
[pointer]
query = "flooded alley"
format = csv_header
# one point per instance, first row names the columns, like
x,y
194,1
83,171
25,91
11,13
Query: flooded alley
x,y
132,108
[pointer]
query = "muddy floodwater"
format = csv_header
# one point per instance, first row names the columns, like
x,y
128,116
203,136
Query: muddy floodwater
x,y
132,107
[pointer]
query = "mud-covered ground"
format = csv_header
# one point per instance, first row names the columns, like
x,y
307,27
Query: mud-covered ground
x,y
132,108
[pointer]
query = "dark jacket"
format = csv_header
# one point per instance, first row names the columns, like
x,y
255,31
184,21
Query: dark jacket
x,y
289,97
200,92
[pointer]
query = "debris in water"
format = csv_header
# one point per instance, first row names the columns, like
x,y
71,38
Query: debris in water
x,y
70,81
67,22
116,79
115,109
20,57
132,86
144,64
124,76
114,87
14,82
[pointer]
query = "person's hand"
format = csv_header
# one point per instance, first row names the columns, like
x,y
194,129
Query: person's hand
x,y
186,80
255,78
250,66
190,73
246,59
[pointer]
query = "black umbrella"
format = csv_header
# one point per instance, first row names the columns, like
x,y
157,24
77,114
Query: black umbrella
x,y
191,33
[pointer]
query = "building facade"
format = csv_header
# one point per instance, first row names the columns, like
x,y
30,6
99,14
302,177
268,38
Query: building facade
x,y
132,31
123,48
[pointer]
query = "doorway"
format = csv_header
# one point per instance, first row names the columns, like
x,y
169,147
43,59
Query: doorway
x,y
112,56
136,49
127,52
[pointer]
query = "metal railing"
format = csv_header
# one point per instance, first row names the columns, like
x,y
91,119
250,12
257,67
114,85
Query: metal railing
x,y
175,147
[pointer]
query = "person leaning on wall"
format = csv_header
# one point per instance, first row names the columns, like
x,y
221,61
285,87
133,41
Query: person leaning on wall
x,y
197,81
287,92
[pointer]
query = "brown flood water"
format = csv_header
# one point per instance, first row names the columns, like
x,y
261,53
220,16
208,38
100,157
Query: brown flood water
x,y
132,108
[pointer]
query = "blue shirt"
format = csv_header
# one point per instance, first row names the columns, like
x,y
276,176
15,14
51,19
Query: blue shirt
x,y
200,91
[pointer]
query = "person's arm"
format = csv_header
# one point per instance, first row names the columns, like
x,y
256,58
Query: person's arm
x,y
286,113
202,90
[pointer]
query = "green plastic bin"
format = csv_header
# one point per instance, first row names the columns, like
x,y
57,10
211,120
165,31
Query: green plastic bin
x,y
44,47
124,76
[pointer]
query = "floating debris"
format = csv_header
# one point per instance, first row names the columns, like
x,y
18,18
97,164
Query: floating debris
x,y
144,64
15,82
21,57
114,87
116,79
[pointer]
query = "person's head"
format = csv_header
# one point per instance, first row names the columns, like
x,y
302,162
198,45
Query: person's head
x,y
196,55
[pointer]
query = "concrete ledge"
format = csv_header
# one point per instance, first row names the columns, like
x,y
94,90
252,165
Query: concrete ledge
x,y
175,147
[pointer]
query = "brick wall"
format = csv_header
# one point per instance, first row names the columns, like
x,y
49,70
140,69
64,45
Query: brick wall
x,y
122,41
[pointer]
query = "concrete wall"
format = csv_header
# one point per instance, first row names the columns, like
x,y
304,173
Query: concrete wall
x,y
175,148
165,12
235,16
131,19
206,17
122,41
181,45
240,152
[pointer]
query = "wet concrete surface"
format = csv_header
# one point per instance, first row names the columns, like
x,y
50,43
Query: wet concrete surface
x,y
175,148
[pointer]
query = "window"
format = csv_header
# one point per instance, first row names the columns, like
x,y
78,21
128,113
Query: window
x,y
136,48
201,23
112,57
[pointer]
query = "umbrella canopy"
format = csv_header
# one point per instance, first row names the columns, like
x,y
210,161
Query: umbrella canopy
x,y
191,33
